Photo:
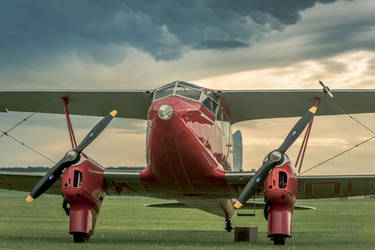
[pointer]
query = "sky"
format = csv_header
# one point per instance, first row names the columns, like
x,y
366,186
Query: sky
x,y
244,44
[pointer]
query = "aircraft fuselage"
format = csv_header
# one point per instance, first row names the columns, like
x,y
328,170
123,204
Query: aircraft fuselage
x,y
188,152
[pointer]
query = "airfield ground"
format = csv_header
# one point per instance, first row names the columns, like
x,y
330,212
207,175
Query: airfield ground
x,y
124,223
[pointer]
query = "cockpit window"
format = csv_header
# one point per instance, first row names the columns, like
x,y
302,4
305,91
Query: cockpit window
x,y
191,91
213,96
209,103
188,92
167,91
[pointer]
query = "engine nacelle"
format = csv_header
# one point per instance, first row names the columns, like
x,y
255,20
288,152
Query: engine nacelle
x,y
280,189
83,188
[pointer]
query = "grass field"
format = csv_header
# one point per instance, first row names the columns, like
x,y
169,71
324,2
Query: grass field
x,y
124,223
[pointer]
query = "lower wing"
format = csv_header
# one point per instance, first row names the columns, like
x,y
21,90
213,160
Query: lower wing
x,y
124,182
129,183
330,186
315,187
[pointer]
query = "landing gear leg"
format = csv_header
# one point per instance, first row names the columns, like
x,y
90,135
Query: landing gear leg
x,y
267,209
228,225
279,239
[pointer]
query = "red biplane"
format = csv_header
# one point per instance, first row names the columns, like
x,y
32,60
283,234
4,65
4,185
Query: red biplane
x,y
192,156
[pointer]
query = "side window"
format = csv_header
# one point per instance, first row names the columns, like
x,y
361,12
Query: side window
x,y
219,118
209,103
226,126
213,96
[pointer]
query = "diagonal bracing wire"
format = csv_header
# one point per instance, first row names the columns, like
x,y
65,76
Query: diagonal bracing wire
x,y
339,154
353,118
349,149
27,118
6,133
26,146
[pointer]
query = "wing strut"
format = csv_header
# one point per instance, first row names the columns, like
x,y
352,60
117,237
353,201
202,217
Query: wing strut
x,y
302,150
69,123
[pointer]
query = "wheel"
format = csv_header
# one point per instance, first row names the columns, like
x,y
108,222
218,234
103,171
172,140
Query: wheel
x,y
80,237
279,239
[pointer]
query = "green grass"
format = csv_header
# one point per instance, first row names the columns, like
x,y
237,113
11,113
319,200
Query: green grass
x,y
124,223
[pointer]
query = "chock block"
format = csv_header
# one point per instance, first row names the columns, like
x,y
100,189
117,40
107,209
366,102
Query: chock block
x,y
249,234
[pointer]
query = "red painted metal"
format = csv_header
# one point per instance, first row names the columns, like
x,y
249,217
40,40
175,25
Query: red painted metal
x,y
85,196
69,123
282,199
306,139
187,154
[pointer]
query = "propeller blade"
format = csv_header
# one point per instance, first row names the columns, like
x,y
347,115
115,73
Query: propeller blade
x,y
69,159
90,137
254,183
274,158
53,175
297,129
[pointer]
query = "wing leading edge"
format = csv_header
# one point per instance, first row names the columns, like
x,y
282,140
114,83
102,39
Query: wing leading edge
x,y
315,187
261,104
131,104
117,182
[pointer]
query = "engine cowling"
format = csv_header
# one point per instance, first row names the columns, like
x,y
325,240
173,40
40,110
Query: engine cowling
x,y
280,189
83,188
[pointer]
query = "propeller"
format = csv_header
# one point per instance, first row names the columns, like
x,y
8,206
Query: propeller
x,y
274,158
71,157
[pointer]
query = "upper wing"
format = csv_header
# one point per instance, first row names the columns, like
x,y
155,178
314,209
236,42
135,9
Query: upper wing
x,y
131,104
260,104
242,105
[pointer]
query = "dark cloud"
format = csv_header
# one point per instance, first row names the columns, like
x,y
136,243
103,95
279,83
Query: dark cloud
x,y
40,32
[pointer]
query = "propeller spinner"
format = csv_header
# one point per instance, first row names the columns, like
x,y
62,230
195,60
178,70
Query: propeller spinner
x,y
70,158
274,158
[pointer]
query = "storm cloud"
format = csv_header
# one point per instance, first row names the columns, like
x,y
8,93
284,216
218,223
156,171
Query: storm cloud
x,y
34,32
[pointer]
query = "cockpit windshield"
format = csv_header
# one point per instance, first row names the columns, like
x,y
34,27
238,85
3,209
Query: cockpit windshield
x,y
179,88
165,91
191,91
188,92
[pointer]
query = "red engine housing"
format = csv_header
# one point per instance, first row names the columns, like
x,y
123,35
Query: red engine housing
x,y
280,189
83,188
